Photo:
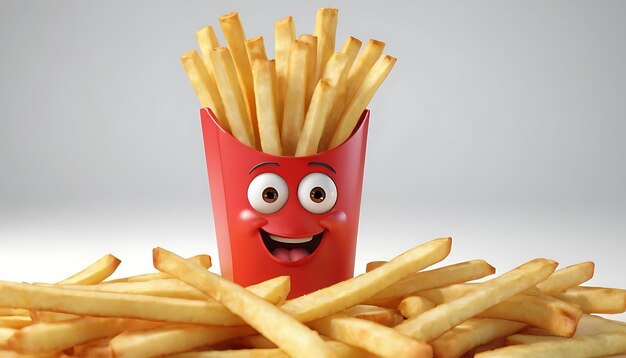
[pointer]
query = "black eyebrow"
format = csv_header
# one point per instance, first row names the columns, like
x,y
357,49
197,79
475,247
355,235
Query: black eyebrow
x,y
262,164
324,165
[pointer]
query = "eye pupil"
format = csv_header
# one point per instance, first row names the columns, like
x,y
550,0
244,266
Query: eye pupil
x,y
270,195
318,194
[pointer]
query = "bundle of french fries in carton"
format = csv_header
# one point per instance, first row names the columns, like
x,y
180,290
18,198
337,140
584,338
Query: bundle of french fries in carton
x,y
397,308
285,144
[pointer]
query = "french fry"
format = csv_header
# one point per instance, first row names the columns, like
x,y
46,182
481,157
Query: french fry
x,y
414,306
530,339
295,97
203,260
53,337
604,344
363,64
287,333
204,85
207,40
255,47
171,340
595,299
472,333
236,39
162,288
325,31
264,75
444,276
374,265
435,322
284,35
13,354
342,350
321,105
5,334
311,69
336,298
567,277
358,102
351,48
94,273
386,316
15,321
555,316
234,99
589,325
106,304
372,337
13,312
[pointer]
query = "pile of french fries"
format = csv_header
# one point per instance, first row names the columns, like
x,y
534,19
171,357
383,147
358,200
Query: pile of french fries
x,y
395,309
307,100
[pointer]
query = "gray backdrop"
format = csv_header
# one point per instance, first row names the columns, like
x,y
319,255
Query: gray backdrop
x,y
501,125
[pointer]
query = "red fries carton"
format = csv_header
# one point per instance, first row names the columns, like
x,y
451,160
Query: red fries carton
x,y
279,215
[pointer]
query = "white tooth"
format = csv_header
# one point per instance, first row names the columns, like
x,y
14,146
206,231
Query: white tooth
x,y
285,240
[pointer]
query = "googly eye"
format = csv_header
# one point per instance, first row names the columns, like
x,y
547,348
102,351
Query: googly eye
x,y
317,193
268,193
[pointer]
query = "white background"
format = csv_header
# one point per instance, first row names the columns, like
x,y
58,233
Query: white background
x,y
502,125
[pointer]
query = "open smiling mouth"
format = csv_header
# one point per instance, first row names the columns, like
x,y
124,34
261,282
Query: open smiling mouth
x,y
290,249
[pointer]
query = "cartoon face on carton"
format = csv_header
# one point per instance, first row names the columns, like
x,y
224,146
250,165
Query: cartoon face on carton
x,y
276,215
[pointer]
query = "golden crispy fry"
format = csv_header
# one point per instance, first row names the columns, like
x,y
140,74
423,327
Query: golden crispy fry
x,y
13,312
363,64
414,306
204,85
106,304
264,75
235,108
595,299
342,295
567,277
162,288
13,354
351,49
386,316
472,333
325,30
372,337
236,39
311,69
256,49
295,97
94,273
555,316
444,276
321,105
340,349
5,334
288,334
52,337
433,323
373,265
604,344
203,260
284,35
172,339
530,339
358,102
15,321
589,325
